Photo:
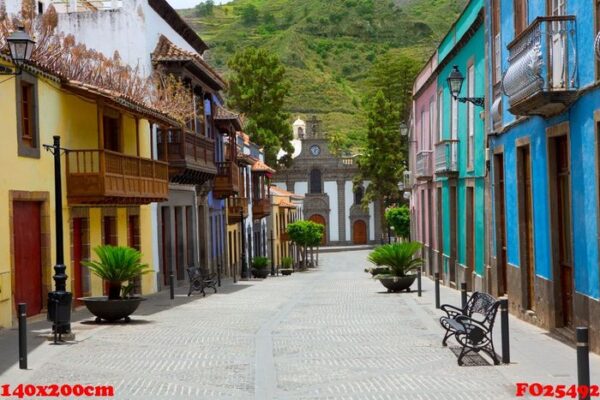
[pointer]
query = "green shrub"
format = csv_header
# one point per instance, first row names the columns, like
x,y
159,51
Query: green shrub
x,y
398,257
260,262
286,262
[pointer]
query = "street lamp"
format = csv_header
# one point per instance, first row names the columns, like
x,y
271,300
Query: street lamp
x,y
403,129
21,46
59,301
244,274
455,81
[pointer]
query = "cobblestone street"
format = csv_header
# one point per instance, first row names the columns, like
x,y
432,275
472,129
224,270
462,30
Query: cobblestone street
x,y
329,333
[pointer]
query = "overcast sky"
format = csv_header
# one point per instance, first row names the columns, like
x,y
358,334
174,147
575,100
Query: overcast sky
x,y
191,3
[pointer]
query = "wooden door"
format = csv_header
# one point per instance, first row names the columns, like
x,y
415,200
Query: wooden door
x,y
27,239
527,228
453,235
563,204
164,228
470,231
133,241
359,232
439,233
319,219
500,225
77,258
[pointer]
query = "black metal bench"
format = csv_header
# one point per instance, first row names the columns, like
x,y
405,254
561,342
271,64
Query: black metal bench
x,y
472,333
200,280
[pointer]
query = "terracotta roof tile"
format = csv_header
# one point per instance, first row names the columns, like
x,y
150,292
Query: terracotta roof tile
x,y
260,166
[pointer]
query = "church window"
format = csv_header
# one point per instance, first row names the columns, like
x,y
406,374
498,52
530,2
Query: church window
x,y
359,193
315,181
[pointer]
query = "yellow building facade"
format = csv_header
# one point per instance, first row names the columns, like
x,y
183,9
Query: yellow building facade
x,y
109,181
284,212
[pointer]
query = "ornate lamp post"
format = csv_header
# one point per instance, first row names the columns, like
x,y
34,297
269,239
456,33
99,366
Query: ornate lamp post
x,y
21,46
455,81
59,301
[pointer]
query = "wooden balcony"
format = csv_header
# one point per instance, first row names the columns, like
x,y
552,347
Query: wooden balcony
x,y
446,158
104,177
227,181
191,157
234,205
542,77
424,170
261,208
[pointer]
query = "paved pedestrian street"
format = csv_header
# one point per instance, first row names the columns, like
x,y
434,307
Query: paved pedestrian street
x,y
330,333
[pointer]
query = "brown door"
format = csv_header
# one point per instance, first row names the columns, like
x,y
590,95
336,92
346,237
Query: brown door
x,y
500,225
77,258
164,228
319,219
133,241
526,232
360,232
439,239
563,203
470,240
28,256
453,238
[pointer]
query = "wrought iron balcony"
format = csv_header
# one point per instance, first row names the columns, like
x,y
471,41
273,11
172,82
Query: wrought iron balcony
x,y
237,208
542,77
191,156
446,158
105,177
424,170
261,208
227,181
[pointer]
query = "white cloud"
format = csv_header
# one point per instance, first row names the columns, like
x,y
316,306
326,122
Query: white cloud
x,y
177,4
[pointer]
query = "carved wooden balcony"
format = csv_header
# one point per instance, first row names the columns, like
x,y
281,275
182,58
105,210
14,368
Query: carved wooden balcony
x,y
191,157
234,206
105,177
261,208
446,158
542,76
227,181
424,167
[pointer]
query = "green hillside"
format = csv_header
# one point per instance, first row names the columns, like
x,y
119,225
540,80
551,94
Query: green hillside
x,y
327,46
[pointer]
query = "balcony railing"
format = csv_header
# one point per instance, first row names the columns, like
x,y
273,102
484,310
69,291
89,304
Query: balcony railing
x,y
191,157
261,208
446,158
424,166
542,77
234,206
107,177
227,181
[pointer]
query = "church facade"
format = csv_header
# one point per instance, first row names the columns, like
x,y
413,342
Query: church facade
x,y
326,181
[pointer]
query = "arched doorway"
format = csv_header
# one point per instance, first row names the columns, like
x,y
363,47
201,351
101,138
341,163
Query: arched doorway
x,y
359,232
319,219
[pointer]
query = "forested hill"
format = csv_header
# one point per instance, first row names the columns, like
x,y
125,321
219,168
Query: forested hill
x,y
328,46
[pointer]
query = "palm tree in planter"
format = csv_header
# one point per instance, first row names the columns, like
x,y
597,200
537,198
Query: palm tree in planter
x,y
116,264
401,261
259,267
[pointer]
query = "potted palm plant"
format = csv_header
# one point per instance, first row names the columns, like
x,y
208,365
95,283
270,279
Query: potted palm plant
x,y
115,265
286,266
401,261
259,267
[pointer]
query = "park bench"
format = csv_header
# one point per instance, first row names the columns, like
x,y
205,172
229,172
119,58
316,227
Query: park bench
x,y
472,325
201,279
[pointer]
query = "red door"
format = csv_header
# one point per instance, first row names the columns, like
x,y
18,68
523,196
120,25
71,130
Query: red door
x,y
28,256
360,232
319,219
77,257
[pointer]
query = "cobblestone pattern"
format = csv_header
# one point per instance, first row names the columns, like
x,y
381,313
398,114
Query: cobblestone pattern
x,y
326,334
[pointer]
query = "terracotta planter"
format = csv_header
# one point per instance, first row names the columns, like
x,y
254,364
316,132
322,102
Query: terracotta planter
x,y
260,273
111,310
398,284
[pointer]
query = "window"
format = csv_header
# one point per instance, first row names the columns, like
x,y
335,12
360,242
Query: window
x,y
454,118
470,114
496,42
27,129
110,231
520,13
440,116
315,181
431,121
422,131
300,133
40,7
359,193
111,121
199,112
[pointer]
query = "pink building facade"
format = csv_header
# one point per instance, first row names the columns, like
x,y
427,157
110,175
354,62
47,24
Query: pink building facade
x,y
423,136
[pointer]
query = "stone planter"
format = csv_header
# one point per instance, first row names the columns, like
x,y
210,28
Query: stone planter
x,y
286,271
260,273
398,284
111,310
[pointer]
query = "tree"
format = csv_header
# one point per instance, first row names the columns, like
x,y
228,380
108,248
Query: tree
x,y
204,8
249,14
305,234
399,219
382,160
258,88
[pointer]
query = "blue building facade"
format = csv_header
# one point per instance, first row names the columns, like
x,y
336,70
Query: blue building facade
x,y
543,108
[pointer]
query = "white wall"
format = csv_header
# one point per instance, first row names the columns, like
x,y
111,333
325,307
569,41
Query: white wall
x,y
349,200
372,221
331,190
301,187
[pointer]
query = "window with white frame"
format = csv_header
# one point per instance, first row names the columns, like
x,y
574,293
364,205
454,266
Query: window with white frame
x,y
422,131
431,121
470,114
440,116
